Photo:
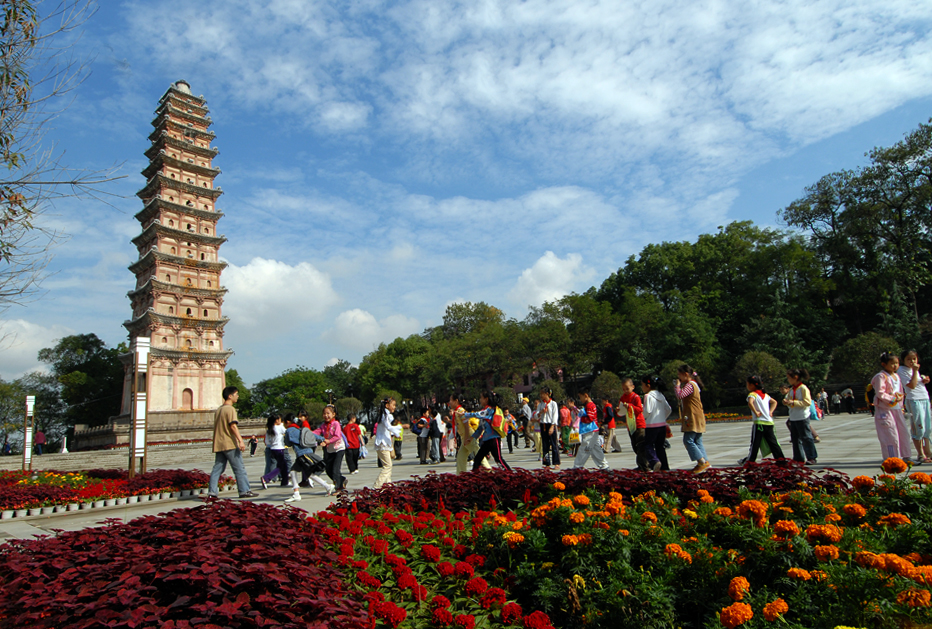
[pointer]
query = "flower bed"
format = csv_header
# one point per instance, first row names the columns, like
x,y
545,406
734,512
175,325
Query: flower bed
x,y
22,490
227,564
530,550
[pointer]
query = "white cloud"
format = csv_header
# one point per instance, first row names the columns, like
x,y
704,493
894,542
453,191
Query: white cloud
x,y
550,278
269,297
359,330
20,342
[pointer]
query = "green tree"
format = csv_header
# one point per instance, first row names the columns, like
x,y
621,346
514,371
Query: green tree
x,y
347,405
293,390
341,378
858,359
606,386
244,404
756,363
90,375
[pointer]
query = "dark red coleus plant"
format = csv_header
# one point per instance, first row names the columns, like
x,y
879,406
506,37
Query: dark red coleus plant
x,y
221,564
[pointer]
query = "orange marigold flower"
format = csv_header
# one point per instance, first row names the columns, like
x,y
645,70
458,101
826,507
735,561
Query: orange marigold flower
x,y
513,538
854,510
753,510
826,553
577,517
559,486
799,573
862,482
648,516
702,493
566,502
570,540
775,609
615,508
898,565
624,532
614,495
826,532
786,528
818,575
922,574
585,539
723,511
921,478
867,559
894,519
581,500
738,587
913,557
735,614
832,517
894,465
914,598
707,499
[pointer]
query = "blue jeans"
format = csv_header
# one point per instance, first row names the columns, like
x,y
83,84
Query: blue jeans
x,y
804,448
235,459
694,447
921,423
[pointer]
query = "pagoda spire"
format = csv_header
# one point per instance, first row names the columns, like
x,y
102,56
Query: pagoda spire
x,y
177,301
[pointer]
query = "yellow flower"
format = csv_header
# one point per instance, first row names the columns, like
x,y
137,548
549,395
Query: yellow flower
x,y
692,515
579,582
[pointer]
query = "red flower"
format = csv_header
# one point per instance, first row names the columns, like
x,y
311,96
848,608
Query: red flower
x,y
476,560
463,570
419,591
494,597
510,613
445,568
460,551
404,537
361,564
476,587
537,620
395,560
430,553
448,541
390,613
379,546
440,601
442,617
465,621
368,580
407,581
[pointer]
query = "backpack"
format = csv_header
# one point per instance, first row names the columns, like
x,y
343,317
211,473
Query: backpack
x,y
308,438
498,423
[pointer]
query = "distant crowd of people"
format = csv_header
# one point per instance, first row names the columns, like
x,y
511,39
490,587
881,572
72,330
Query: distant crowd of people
x,y
577,428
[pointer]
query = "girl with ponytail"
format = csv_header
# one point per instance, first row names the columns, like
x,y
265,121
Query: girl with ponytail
x,y
762,407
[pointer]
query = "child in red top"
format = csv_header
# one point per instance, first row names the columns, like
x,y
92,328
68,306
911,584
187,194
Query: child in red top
x,y
630,404
353,436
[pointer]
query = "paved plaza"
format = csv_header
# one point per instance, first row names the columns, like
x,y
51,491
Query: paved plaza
x,y
849,444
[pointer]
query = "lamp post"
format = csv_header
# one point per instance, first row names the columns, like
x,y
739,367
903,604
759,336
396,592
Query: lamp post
x,y
138,405
27,432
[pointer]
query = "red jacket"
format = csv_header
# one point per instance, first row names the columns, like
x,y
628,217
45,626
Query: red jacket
x,y
634,400
353,434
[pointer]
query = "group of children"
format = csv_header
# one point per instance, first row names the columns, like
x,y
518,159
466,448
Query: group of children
x,y
586,431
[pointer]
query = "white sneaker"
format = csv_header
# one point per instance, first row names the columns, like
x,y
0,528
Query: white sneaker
x,y
332,488
354,472
296,497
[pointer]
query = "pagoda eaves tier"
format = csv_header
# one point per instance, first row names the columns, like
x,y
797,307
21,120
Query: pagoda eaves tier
x,y
178,299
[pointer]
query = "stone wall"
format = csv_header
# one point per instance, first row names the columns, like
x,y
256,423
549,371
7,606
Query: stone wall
x,y
163,427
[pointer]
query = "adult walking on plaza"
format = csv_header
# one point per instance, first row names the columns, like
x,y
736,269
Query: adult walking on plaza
x,y
228,446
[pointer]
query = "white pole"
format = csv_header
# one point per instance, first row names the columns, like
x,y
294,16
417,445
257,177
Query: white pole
x,y
27,433
139,404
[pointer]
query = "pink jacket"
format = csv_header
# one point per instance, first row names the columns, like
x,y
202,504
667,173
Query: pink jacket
x,y
333,434
886,386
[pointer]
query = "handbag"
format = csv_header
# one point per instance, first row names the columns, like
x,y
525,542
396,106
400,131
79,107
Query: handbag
x,y
574,437
363,451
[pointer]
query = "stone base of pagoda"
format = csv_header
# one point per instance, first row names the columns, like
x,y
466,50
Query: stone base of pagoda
x,y
165,426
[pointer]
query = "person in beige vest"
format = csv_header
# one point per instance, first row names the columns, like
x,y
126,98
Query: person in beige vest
x,y
693,418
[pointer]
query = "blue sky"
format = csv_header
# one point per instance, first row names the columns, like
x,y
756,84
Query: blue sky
x,y
383,160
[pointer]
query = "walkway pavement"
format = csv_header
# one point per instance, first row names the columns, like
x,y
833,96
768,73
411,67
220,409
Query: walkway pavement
x,y
849,444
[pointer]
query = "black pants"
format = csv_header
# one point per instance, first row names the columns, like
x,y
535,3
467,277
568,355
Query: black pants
x,y
493,447
550,443
423,447
352,459
334,464
762,432
637,444
512,436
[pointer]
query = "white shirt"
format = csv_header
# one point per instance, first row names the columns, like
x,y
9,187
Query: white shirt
x,y
656,409
278,437
762,406
385,432
548,413
920,392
